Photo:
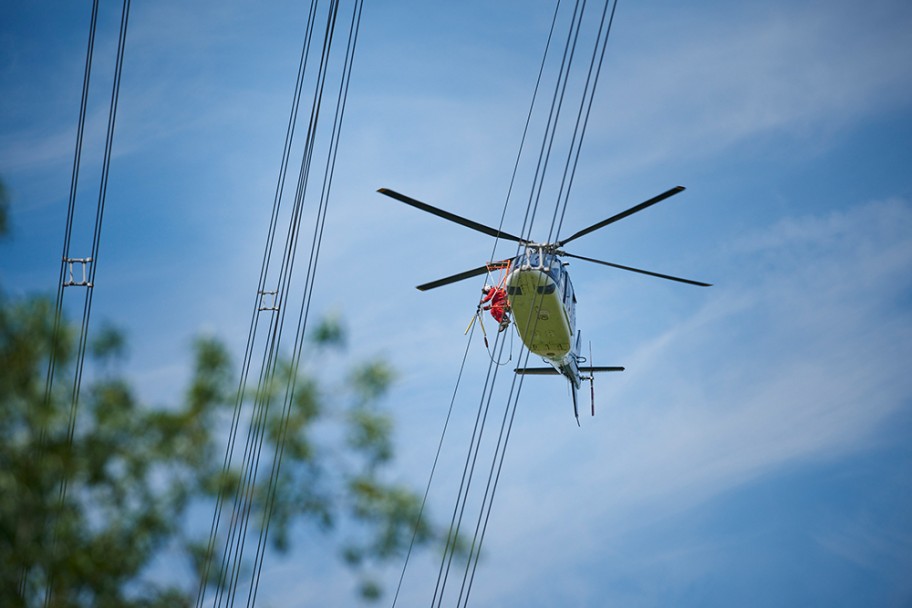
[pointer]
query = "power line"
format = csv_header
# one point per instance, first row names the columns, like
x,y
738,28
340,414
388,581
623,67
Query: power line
x,y
89,264
574,151
427,489
551,129
465,483
309,285
316,54
585,110
68,230
487,391
254,323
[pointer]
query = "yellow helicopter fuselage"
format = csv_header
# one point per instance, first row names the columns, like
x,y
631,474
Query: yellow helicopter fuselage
x,y
543,304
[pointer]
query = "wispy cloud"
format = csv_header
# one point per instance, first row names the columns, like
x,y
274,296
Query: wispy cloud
x,y
803,363
807,356
728,76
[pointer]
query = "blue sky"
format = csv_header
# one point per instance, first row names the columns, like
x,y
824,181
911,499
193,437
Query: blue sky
x,y
756,451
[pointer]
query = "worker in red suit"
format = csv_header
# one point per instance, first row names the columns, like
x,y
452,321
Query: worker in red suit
x,y
495,300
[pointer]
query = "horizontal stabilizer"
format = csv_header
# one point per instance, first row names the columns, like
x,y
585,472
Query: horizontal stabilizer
x,y
537,371
550,371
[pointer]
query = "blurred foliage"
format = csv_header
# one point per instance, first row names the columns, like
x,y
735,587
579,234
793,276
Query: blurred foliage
x,y
86,508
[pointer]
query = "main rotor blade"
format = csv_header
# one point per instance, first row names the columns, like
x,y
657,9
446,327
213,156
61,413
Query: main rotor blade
x,y
623,214
468,274
652,274
451,216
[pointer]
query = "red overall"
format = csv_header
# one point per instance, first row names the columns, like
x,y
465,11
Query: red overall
x,y
498,303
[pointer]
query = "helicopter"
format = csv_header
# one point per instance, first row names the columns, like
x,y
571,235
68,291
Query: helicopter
x,y
540,295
